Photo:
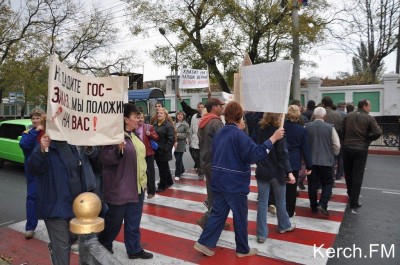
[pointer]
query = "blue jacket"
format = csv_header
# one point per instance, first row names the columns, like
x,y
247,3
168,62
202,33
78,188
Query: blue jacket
x,y
58,176
277,164
28,142
233,152
297,144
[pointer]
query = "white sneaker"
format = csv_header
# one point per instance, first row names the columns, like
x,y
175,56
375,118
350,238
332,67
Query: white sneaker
x,y
290,229
203,249
75,247
177,178
252,252
272,209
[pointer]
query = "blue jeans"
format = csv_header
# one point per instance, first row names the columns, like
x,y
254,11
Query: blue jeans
x,y
280,200
131,215
179,168
223,202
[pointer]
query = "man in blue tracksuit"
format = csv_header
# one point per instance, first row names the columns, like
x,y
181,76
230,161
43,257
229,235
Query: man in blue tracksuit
x,y
30,139
233,152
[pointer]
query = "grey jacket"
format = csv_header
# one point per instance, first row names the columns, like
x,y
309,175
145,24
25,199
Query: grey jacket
x,y
182,133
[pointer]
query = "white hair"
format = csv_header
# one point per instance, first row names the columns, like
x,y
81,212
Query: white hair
x,y
319,113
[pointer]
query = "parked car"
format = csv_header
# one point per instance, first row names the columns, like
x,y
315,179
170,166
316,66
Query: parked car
x,y
10,135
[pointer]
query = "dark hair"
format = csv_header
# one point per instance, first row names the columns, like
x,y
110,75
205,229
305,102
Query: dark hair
x,y
296,102
311,105
233,112
159,102
362,103
349,107
327,102
130,108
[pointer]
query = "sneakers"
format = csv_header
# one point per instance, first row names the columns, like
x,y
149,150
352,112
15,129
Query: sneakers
x,y
29,234
272,209
355,205
260,240
177,178
203,249
252,252
290,229
141,255
201,177
324,212
150,196
75,247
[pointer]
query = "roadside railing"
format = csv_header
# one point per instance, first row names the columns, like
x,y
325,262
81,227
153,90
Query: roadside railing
x,y
390,135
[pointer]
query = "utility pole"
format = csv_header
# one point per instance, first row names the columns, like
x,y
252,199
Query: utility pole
x,y
398,51
295,51
162,32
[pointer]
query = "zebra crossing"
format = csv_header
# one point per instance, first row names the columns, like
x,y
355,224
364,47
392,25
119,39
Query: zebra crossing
x,y
169,229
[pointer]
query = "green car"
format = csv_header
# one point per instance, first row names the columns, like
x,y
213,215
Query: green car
x,y
10,134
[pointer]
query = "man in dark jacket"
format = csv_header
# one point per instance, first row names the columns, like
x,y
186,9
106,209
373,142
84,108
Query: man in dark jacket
x,y
358,129
209,125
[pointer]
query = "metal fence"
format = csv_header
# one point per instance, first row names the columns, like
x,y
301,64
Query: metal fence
x,y
390,135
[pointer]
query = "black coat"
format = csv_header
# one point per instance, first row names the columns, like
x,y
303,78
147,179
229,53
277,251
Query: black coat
x,y
165,142
277,164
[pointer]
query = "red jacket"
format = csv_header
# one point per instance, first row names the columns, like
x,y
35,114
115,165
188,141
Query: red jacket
x,y
146,139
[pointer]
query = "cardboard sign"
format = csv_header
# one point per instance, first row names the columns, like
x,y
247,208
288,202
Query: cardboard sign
x,y
193,78
84,110
266,87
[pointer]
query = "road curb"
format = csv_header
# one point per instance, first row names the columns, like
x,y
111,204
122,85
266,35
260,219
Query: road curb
x,y
384,152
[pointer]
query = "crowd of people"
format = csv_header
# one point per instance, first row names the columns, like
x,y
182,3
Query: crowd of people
x,y
320,143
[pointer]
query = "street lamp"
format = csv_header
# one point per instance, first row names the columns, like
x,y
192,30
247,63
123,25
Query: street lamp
x,y
162,31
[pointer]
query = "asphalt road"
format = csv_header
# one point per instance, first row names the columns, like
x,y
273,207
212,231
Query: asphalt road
x,y
369,236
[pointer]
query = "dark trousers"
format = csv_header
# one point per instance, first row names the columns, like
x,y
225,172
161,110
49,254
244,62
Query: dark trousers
x,y
340,166
165,174
31,217
195,153
291,195
151,175
179,167
130,214
323,175
60,241
223,202
354,167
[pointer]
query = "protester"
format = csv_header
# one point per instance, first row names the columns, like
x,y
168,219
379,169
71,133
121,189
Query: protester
x,y
325,144
146,132
182,133
331,116
233,152
299,149
159,106
29,141
125,181
349,107
310,109
57,168
190,112
303,118
272,171
209,125
166,138
194,142
358,129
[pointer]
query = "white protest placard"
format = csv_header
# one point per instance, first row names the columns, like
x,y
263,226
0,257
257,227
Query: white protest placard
x,y
193,78
266,86
227,97
84,110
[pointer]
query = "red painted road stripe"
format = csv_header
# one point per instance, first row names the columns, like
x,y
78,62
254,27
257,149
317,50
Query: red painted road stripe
x,y
301,236
33,251
180,248
300,211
